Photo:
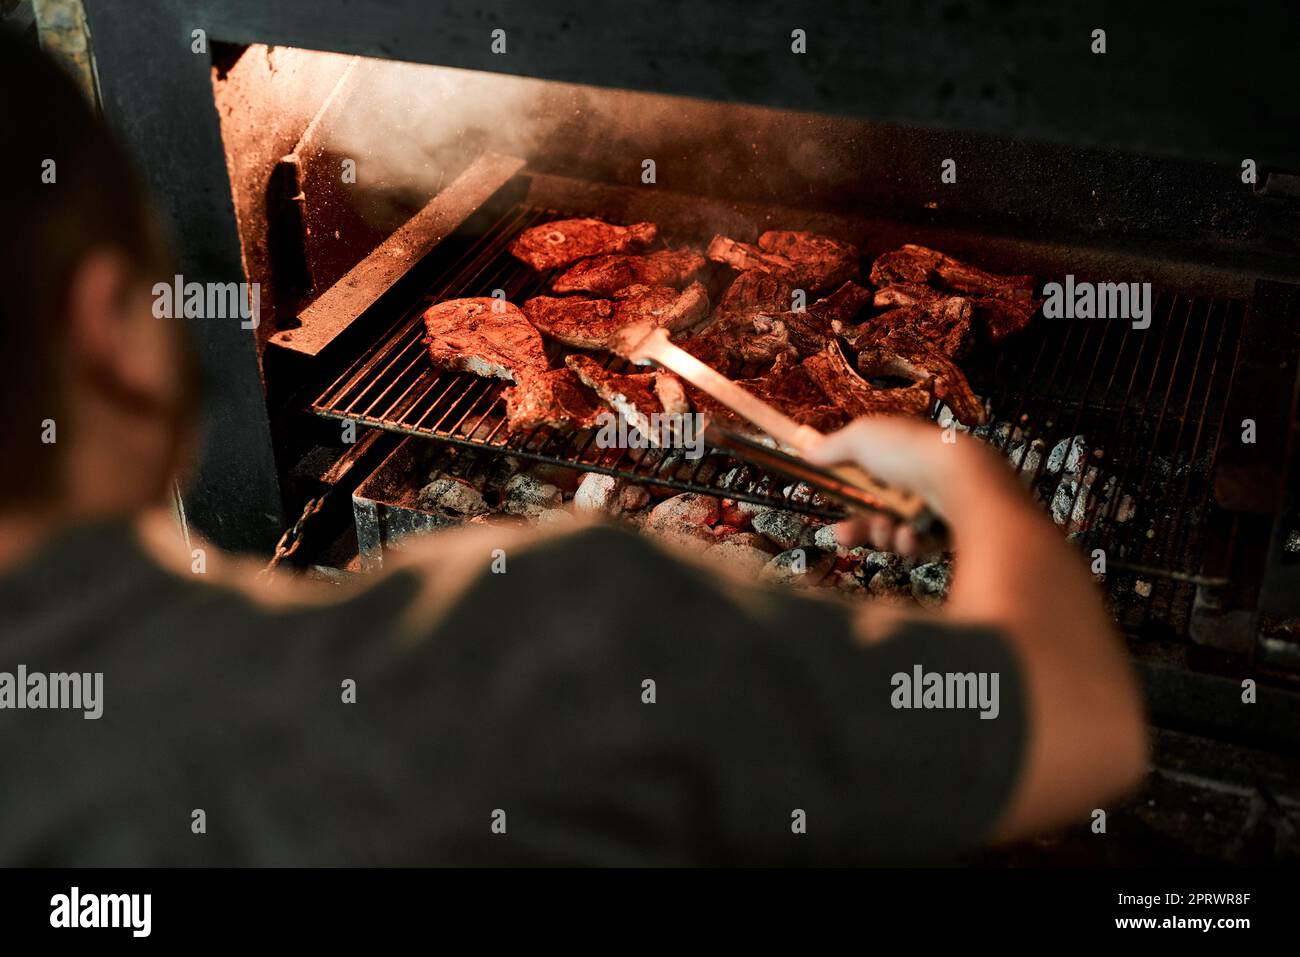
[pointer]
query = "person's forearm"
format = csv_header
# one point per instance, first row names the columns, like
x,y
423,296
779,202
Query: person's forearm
x,y
1015,571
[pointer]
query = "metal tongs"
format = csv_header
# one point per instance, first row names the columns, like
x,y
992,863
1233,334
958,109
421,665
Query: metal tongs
x,y
860,491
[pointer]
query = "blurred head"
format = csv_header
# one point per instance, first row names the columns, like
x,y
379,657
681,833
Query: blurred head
x,y
97,392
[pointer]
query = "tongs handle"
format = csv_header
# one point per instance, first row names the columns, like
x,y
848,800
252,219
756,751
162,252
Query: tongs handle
x,y
854,487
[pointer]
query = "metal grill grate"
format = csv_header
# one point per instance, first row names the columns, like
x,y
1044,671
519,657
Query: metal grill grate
x,y
1147,403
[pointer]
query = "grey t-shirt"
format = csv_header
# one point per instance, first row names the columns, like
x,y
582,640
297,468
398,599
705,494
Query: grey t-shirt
x,y
599,702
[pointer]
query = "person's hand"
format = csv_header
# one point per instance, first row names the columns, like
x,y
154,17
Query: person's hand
x,y
913,455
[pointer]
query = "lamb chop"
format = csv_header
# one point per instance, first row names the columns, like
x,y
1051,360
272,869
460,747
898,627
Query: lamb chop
x,y
565,241
606,275
857,397
896,352
589,323
556,398
801,259
486,336
795,333
1004,304
635,397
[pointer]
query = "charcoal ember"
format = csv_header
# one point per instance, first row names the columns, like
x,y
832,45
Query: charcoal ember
x,y
529,496
633,498
500,470
1077,495
784,529
1001,435
803,493
1067,455
930,583
453,496
883,572
826,538
798,566
684,519
743,551
1026,458
598,493
721,531
1142,588
731,513
846,584
1292,545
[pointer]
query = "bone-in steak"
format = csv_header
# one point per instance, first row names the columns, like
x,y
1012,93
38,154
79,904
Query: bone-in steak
x,y
941,320
796,333
556,398
606,275
833,374
591,323
486,336
1003,304
635,397
804,260
565,241
896,352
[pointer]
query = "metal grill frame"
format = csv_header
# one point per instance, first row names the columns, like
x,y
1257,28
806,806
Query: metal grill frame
x,y
1049,382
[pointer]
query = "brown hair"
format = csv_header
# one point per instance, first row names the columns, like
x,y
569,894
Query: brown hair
x,y
66,188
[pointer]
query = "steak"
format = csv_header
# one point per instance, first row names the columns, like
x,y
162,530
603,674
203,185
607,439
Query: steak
x,y
590,323
606,275
565,241
857,397
801,259
795,333
635,397
556,398
486,336
942,321
1003,304
896,352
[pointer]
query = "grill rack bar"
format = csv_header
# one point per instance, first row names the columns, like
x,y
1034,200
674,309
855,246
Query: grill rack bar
x,y
1051,383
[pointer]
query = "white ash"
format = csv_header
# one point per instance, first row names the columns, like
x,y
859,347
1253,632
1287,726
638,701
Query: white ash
x,y
784,529
529,496
930,583
598,493
453,496
1292,545
1067,455
1027,458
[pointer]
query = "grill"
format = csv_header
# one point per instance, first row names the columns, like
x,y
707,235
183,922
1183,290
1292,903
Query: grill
x,y
1146,404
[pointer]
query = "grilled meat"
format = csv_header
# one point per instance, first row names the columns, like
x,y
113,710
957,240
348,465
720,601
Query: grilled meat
x,y
635,397
556,398
801,259
606,275
486,336
942,321
896,352
787,387
833,374
800,333
1003,304
565,241
589,323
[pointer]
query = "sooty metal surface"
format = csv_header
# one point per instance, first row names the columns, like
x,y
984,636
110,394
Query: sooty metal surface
x,y
1114,428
